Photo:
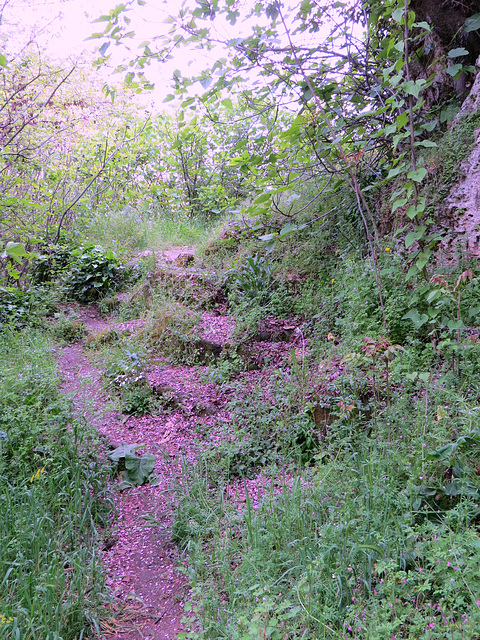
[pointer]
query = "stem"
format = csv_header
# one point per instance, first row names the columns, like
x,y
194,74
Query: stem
x,y
411,123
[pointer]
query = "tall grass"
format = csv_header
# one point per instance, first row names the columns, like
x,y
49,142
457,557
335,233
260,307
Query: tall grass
x,y
53,503
130,230
344,551
375,535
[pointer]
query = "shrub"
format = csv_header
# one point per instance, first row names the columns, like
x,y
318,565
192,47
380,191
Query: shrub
x,y
25,308
93,273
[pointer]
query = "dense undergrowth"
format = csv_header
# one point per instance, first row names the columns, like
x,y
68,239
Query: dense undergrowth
x,y
54,501
370,528
368,438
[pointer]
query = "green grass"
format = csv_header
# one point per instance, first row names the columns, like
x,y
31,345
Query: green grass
x,y
128,231
374,533
364,543
54,502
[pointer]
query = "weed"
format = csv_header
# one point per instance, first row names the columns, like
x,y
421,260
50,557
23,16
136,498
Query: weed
x,y
137,402
126,373
20,308
108,305
68,328
137,468
92,273
54,502
251,279
226,368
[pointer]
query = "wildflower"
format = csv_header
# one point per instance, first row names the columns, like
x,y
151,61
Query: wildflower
x,y
4,619
333,279
36,475
387,248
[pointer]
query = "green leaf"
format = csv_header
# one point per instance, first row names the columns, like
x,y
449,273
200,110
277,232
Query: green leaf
x,y
454,70
473,311
15,250
139,468
444,453
186,103
413,236
3,60
426,143
422,25
393,173
456,53
472,23
411,212
288,228
430,126
123,450
433,295
423,259
399,203
413,87
418,175
265,197
397,15
102,19
372,547
416,318
455,324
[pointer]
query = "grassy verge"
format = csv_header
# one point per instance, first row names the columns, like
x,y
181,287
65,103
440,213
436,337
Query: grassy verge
x,y
53,502
369,529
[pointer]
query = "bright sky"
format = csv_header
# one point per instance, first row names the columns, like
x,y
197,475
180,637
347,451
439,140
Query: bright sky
x,y
64,26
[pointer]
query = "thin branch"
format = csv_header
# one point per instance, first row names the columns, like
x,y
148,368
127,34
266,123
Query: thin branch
x,y
361,200
105,162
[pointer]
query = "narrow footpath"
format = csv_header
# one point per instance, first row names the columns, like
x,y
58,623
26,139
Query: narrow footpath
x,y
140,559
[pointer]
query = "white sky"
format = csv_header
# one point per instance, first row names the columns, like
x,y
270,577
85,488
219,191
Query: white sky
x,y
64,26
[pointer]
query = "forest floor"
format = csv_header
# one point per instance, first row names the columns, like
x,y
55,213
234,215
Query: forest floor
x,y
141,561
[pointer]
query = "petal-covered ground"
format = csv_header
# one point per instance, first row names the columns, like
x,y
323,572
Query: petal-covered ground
x,y
141,561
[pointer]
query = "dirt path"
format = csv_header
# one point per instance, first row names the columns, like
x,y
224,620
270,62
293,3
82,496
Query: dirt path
x,y
140,559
